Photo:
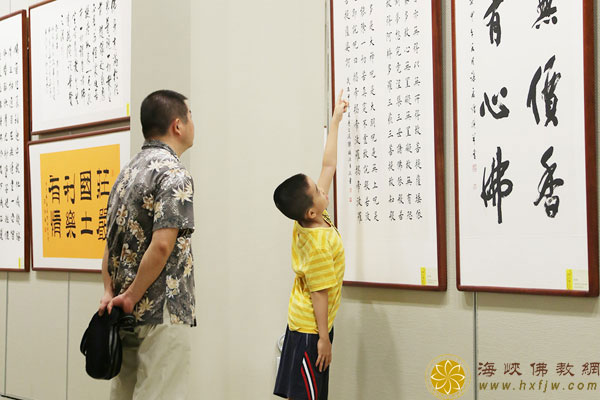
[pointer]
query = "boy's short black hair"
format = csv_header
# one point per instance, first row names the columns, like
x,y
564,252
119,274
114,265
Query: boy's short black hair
x,y
159,109
291,197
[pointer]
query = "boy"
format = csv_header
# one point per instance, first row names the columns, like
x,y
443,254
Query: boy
x,y
318,261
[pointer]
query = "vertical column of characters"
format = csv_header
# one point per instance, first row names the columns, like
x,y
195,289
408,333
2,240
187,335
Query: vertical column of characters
x,y
104,45
367,185
472,89
11,143
394,111
52,33
414,161
495,186
413,164
404,97
543,87
360,62
99,40
52,216
350,129
90,38
85,199
72,31
79,65
105,182
546,72
112,79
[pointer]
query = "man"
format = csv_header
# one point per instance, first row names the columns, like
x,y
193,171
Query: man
x,y
148,260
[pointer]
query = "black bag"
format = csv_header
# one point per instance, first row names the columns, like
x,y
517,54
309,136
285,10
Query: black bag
x,y
101,343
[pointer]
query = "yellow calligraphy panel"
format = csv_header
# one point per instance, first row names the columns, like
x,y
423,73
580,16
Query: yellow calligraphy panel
x,y
75,187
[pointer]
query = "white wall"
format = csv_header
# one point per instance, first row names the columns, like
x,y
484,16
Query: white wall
x,y
258,92
4,7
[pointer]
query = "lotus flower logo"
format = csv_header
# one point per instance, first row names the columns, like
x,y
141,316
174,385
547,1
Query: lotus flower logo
x,y
447,377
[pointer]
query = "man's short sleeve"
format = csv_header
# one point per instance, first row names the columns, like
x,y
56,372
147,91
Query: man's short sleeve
x,y
173,204
319,273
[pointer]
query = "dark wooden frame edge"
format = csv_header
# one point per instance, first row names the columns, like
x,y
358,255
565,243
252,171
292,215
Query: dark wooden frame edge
x,y
591,175
57,139
26,137
438,105
62,129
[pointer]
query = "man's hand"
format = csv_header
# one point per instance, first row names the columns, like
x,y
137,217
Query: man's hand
x,y
104,301
124,301
324,350
341,106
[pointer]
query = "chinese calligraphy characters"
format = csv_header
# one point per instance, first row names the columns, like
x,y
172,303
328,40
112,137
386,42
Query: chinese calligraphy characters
x,y
494,22
548,184
77,222
11,143
501,110
383,136
546,11
81,52
495,188
548,93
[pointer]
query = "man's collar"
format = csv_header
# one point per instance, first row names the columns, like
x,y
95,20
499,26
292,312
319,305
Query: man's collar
x,y
155,143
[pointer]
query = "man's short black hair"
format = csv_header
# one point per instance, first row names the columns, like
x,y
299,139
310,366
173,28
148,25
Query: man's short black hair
x,y
291,197
159,109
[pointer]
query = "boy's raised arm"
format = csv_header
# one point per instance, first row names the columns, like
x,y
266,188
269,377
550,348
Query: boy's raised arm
x,y
330,154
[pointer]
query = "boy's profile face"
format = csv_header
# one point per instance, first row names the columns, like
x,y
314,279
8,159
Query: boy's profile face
x,y
319,197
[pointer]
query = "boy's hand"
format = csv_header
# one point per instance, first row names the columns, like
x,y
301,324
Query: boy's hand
x,y
330,155
324,350
341,106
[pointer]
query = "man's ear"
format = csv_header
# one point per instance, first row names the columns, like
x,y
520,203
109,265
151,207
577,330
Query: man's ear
x,y
176,126
310,214
173,126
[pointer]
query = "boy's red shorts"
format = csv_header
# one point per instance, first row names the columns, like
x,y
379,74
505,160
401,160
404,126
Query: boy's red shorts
x,y
298,378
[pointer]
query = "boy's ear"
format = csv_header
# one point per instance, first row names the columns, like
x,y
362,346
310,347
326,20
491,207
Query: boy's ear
x,y
310,213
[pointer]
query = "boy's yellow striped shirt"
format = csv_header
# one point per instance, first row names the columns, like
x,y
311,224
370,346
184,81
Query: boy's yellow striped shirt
x,y
318,261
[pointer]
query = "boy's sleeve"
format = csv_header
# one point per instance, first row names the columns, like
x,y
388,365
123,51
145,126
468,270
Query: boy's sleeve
x,y
319,273
173,205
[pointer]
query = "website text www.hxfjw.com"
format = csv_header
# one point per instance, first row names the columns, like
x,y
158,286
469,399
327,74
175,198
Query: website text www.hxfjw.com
x,y
542,386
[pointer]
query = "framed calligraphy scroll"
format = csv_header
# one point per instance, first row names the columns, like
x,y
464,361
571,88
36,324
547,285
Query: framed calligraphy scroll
x,y
525,149
389,191
80,63
14,135
71,179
